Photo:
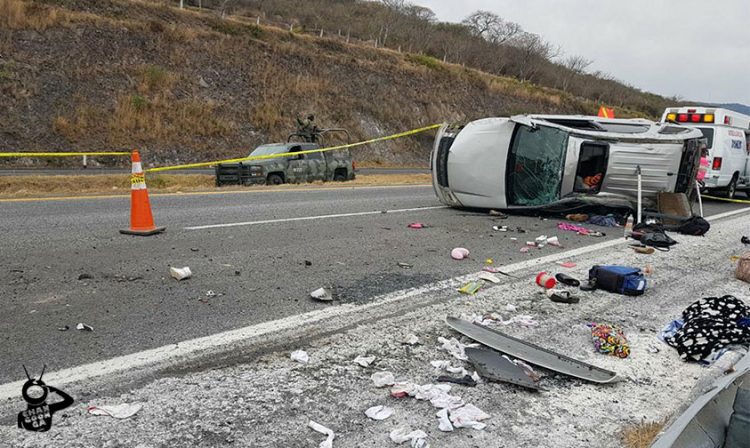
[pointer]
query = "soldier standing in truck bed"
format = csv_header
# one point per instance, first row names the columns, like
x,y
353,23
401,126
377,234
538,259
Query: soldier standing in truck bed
x,y
308,129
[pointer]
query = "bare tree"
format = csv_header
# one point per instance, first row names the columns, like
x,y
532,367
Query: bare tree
x,y
492,27
576,66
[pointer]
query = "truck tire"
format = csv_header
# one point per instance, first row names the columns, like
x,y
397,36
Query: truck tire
x,y
732,187
339,176
274,179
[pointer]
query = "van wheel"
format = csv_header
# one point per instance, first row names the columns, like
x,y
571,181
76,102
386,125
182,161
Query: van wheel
x,y
274,179
732,188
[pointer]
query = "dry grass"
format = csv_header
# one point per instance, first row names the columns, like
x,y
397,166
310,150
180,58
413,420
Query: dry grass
x,y
641,435
47,186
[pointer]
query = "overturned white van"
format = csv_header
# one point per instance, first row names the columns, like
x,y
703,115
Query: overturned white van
x,y
543,161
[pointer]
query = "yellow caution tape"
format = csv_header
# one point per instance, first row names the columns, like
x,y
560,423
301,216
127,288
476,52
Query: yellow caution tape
x,y
61,154
737,201
288,154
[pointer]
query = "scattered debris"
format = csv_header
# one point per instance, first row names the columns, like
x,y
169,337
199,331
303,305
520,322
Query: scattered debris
x,y
546,280
455,348
308,263
531,353
364,361
322,295
211,293
577,217
493,270
603,221
194,249
492,278
465,380
574,228
459,253
317,427
405,434
383,379
609,340
643,249
237,273
500,228
85,277
561,296
180,273
84,327
553,241
379,412
444,423
524,250
743,268
300,356
119,411
568,264
411,339
417,225
745,240
63,328
510,307
471,288
498,214
495,367
405,265
489,261
468,416
565,279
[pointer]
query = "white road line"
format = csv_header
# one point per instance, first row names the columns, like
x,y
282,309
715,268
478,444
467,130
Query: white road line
x,y
311,218
213,343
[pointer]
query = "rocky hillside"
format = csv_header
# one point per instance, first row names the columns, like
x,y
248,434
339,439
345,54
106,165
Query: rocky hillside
x,y
187,85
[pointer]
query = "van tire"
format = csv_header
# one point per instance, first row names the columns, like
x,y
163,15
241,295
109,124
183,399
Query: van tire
x,y
732,187
274,179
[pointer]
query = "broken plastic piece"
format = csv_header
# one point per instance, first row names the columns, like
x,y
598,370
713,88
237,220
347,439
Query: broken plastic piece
x,y
379,412
405,265
317,427
300,356
322,295
494,367
553,241
84,327
364,361
471,288
500,228
119,411
459,253
383,379
492,278
417,225
532,353
180,273
405,434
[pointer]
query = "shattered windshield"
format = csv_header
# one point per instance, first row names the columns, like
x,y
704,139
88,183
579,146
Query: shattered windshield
x,y
535,165
265,150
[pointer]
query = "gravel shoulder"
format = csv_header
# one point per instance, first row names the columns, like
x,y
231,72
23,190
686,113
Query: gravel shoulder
x,y
268,399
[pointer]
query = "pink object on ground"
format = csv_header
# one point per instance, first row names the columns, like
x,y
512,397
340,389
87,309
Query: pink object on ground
x,y
568,264
416,225
459,253
573,228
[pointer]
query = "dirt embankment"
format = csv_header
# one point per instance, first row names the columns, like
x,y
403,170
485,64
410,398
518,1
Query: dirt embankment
x,y
187,86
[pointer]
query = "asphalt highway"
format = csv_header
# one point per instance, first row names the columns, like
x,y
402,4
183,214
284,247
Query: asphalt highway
x,y
261,253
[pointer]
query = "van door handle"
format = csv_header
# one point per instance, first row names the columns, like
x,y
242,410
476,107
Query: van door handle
x,y
670,174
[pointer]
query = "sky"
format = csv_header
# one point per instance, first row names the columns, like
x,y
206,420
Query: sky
x,y
694,49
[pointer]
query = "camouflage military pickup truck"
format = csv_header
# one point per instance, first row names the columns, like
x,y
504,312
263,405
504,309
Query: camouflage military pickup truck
x,y
333,165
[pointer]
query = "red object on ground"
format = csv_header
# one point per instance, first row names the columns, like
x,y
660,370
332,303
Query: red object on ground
x,y
416,225
546,280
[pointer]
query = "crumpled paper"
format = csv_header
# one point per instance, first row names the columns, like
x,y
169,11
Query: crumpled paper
x,y
455,348
444,423
468,416
383,379
300,356
364,361
405,434
379,412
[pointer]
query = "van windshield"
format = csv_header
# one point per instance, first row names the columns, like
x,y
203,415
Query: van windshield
x,y
265,150
535,165
709,134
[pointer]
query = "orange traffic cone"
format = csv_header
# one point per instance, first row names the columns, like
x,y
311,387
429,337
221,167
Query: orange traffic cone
x,y
141,220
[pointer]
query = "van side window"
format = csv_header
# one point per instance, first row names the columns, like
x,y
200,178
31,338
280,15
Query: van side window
x,y
592,165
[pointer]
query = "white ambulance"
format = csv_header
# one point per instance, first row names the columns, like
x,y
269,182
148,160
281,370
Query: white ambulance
x,y
728,135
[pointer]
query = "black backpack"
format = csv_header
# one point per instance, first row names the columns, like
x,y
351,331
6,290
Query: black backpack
x,y
695,226
653,235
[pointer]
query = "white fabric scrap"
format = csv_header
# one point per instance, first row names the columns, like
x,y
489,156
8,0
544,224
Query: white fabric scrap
x,y
437,395
328,442
489,277
383,379
405,434
468,416
447,367
125,410
444,423
364,361
300,356
379,412
409,389
411,339
455,348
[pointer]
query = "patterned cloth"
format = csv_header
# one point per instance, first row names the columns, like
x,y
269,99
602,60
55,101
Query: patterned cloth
x,y
609,340
573,228
711,324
